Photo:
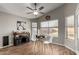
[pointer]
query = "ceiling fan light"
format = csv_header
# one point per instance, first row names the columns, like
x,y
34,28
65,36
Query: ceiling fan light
x,y
35,13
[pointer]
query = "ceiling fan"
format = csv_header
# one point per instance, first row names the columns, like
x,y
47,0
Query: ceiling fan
x,y
35,11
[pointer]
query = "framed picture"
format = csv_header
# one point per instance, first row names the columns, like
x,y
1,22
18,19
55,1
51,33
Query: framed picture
x,y
21,25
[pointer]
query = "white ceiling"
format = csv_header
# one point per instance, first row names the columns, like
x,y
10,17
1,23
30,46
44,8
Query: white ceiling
x,y
20,9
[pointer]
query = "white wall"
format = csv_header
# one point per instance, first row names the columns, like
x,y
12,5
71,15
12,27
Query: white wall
x,y
8,24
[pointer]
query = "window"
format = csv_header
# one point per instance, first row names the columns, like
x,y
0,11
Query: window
x,y
70,27
44,24
44,31
34,24
49,28
78,26
53,23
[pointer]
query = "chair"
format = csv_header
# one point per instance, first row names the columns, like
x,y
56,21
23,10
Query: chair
x,y
49,38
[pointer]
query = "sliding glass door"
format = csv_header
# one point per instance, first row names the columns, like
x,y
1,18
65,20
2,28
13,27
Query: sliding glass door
x,y
34,30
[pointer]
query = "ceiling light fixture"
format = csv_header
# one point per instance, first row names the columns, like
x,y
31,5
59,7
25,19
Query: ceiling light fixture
x,y
35,13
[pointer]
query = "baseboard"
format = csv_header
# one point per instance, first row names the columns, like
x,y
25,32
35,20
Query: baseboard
x,y
71,49
6,46
58,44
1,47
77,52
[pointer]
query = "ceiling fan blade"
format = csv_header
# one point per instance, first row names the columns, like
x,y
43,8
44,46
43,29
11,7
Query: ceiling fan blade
x,y
29,12
42,12
29,8
41,8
